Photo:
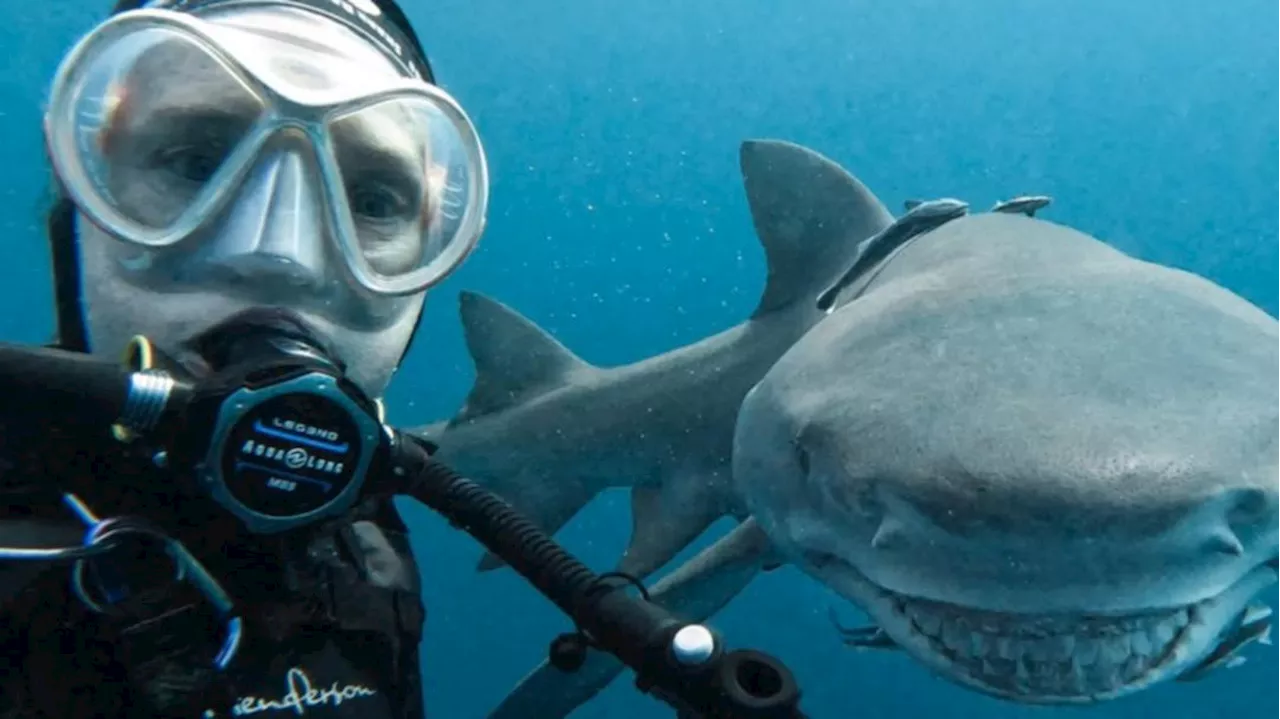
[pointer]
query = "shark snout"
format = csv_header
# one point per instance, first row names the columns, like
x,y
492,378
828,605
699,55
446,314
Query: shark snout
x,y
1120,488
1112,536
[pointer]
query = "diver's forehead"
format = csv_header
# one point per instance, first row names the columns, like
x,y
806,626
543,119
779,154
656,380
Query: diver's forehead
x,y
175,73
290,49
295,51
293,45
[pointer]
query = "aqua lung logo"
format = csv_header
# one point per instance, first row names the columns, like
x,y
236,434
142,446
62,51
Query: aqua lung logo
x,y
293,457
296,458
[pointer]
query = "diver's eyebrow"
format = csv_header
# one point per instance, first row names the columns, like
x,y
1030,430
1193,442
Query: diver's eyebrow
x,y
186,113
367,157
354,148
186,125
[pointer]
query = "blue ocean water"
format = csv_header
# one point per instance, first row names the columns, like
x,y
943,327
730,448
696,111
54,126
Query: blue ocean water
x,y
619,223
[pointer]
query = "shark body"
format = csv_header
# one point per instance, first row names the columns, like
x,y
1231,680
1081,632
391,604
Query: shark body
x,y
1044,469
548,431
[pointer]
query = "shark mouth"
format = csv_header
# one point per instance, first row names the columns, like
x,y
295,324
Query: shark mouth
x,y
1065,658
1048,657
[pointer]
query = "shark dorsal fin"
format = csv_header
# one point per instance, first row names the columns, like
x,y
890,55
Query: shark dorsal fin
x,y
809,213
514,358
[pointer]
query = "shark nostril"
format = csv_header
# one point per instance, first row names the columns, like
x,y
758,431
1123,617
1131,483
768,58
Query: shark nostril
x,y
1251,506
1251,516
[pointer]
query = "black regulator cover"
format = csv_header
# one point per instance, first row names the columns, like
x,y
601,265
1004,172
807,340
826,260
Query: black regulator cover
x,y
284,438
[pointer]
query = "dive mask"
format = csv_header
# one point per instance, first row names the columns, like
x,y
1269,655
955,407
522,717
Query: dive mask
x,y
158,120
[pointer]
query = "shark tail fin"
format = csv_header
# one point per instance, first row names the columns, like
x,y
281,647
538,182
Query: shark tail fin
x,y
514,358
809,213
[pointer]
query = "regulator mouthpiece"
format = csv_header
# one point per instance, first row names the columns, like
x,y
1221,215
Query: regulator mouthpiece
x,y
265,338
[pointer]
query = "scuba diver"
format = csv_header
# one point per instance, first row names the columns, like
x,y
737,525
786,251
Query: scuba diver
x,y
182,209
283,176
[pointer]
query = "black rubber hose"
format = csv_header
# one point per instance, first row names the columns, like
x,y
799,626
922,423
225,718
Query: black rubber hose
x,y
631,630
62,388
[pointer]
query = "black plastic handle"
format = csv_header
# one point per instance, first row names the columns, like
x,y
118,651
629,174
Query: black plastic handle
x,y
737,685
62,387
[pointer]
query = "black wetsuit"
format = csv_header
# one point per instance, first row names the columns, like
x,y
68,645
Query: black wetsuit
x,y
333,614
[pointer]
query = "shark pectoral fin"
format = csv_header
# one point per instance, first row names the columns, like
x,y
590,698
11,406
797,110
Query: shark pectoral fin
x,y
694,591
871,637
665,519
514,358
548,502
809,213
429,433
703,585
1255,626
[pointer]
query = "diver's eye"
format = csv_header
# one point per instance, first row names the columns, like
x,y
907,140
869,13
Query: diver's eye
x,y
191,163
375,203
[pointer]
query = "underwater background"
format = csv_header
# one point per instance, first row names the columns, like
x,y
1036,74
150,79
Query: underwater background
x,y
618,222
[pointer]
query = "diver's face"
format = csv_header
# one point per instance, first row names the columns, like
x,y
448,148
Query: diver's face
x,y
177,117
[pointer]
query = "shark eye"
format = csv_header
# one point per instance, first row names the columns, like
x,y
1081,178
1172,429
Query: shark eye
x,y
802,455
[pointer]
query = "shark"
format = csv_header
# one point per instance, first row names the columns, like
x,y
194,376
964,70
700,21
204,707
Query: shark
x,y
548,431
1044,469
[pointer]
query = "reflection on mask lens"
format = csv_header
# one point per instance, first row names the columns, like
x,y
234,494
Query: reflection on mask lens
x,y
170,115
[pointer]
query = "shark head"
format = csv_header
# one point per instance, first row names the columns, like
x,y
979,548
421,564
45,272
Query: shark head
x,y
1046,470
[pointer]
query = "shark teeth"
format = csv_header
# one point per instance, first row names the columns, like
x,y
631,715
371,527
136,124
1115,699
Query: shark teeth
x,y
1048,656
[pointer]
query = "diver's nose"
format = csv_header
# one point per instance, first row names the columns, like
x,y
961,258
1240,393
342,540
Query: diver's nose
x,y
274,229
